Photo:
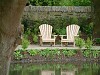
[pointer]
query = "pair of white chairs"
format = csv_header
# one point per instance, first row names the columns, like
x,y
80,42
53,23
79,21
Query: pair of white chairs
x,y
46,34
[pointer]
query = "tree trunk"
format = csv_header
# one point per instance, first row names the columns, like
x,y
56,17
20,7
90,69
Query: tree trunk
x,y
96,5
10,13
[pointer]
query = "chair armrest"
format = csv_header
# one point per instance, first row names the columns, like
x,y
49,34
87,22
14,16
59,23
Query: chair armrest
x,y
54,36
40,39
39,35
76,35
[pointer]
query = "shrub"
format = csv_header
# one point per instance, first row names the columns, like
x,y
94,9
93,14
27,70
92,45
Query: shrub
x,y
97,41
89,29
60,2
55,52
35,38
74,20
82,2
86,25
18,55
79,42
44,52
49,52
87,53
60,31
25,43
28,32
95,53
88,43
59,25
33,52
69,53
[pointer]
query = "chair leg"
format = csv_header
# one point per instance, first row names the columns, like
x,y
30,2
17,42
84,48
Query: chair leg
x,y
54,43
41,43
51,43
74,44
61,44
66,44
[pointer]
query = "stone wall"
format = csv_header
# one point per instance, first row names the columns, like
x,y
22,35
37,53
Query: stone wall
x,y
42,12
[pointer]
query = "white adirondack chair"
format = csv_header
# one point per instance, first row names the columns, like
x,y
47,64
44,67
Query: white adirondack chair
x,y
72,31
46,33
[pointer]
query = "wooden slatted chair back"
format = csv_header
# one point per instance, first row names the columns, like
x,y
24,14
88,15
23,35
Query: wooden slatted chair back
x,y
71,31
45,31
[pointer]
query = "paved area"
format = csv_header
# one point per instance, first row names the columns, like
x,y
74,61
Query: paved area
x,y
51,47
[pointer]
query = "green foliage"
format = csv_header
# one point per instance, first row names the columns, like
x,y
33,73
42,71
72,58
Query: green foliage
x,y
95,53
28,31
60,2
87,53
82,2
74,20
91,53
66,3
60,31
86,25
33,52
44,52
30,25
44,2
18,55
55,52
69,53
27,22
59,25
88,43
35,38
49,52
25,43
89,29
79,42
97,40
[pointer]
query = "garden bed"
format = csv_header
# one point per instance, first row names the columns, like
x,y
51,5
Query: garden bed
x,y
55,55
